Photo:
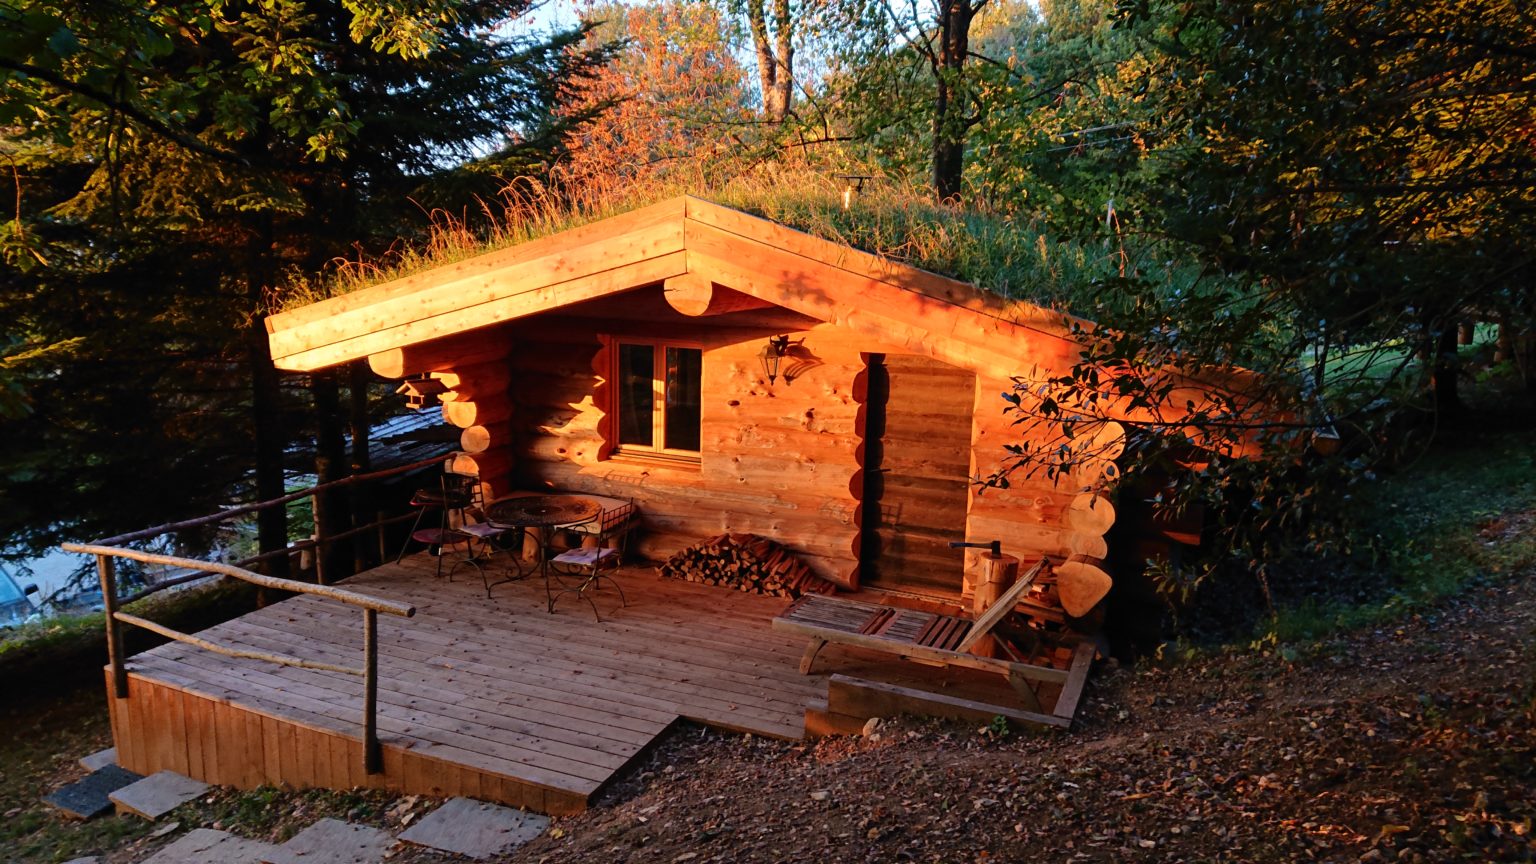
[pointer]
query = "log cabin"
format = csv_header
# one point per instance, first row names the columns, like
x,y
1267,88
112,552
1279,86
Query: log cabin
x,y
732,375
728,375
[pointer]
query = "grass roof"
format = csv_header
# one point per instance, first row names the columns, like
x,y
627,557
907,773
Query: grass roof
x,y
1000,253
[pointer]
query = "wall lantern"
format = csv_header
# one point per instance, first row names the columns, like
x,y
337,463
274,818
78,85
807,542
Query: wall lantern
x,y
421,391
773,357
853,184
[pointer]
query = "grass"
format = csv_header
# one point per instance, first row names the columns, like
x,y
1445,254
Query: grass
x,y
61,652
43,739
995,251
1463,515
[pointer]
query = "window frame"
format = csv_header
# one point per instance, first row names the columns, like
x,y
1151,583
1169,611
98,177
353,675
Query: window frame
x,y
652,452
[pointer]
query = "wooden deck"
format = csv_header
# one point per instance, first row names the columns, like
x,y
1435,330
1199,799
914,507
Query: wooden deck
x,y
495,699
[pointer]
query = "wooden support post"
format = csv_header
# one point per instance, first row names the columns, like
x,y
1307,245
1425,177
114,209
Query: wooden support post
x,y
373,755
380,535
809,658
317,508
996,573
106,569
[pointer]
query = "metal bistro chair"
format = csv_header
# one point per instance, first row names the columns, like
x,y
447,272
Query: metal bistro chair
x,y
595,561
454,495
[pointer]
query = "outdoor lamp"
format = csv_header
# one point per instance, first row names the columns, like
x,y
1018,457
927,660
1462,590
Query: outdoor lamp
x,y
853,184
421,391
773,356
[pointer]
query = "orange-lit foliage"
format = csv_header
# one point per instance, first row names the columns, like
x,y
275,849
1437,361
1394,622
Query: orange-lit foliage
x,y
679,91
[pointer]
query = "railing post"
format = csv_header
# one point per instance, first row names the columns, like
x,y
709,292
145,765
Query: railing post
x,y
373,755
106,569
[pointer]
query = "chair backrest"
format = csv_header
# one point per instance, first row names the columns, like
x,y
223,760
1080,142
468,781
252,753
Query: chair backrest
x,y
460,490
615,521
1000,609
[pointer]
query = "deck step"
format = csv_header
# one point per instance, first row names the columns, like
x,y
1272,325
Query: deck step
x,y
862,698
820,723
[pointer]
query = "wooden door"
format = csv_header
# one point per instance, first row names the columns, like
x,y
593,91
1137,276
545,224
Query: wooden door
x,y
917,446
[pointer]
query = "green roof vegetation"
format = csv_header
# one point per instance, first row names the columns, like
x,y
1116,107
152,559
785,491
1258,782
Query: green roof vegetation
x,y
997,252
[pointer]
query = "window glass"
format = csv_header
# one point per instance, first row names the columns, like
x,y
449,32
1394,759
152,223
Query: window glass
x,y
683,398
637,399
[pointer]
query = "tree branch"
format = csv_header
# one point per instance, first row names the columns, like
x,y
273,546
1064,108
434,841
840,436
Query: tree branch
x,y
107,100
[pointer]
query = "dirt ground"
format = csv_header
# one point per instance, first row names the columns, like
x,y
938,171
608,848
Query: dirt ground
x,y
1413,743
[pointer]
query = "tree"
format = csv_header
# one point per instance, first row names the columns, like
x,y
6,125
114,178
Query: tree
x,y
242,143
1351,181
672,101
775,54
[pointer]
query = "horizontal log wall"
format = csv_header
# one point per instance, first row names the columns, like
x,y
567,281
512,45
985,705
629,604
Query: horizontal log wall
x,y
1030,516
782,461
776,461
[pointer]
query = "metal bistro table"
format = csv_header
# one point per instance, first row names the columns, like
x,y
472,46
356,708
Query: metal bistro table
x,y
538,513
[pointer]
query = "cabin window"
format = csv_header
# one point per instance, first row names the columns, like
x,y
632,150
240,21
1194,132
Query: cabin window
x,y
657,389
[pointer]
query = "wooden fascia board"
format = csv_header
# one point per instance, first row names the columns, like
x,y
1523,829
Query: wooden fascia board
x,y
977,312
522,254
541,298
499,286
891,314
870,266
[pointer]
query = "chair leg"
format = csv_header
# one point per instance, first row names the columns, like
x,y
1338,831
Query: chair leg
x,y
420,513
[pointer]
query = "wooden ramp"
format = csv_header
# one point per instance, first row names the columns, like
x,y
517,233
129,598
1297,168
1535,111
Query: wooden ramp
x,y
491,699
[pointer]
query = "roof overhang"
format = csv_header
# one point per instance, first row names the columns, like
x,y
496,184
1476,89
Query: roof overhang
x,y
711,259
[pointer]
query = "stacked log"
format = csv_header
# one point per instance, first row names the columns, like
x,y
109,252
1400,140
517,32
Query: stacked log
x,y
748,563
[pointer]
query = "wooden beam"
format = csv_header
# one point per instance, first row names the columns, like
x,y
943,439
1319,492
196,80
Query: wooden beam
x,y
856,697
442,355
695,295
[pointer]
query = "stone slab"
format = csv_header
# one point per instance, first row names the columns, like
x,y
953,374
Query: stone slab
x,y
475,829
332,841
87,798
89,859
207,846
157,794
100,759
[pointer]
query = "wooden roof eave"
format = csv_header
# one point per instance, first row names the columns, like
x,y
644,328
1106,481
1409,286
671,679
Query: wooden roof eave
x,y
893,303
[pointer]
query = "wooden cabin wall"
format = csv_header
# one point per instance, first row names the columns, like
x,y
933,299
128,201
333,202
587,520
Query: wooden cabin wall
x,y
1029,516
782,461
779,461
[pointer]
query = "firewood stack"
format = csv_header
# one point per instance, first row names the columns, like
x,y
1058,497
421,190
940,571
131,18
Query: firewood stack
x,y
745,562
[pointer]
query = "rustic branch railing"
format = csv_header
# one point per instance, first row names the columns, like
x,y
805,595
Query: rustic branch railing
x,y
106,566
107,552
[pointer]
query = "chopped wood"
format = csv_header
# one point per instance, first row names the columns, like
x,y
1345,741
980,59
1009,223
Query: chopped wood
x,y
745,562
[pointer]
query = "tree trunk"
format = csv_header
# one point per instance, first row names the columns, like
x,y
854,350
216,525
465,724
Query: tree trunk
x,y
364,552
949,120
331,510
266,411
1447,364
775,57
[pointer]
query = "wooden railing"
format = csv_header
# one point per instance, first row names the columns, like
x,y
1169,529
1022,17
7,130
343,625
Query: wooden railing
x,y
106,556
107,552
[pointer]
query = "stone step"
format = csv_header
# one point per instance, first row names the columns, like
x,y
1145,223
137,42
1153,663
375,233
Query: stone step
x,y
157,794
100,759
332,841
87,798
207,846
475,829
